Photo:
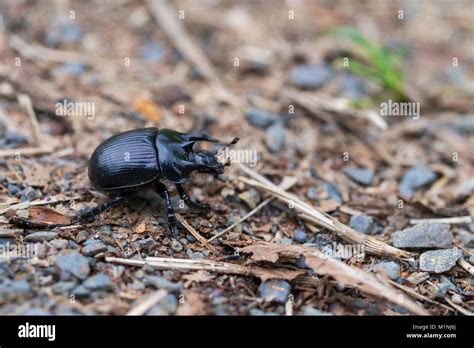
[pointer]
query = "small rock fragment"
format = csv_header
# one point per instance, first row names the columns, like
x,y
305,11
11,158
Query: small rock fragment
x,y
301,236
93,247
274,290
100,281
424,235
415,178
439,261
73,263
363,176
391,268
40,237
275,137
362,223
333,192
162,283
176,246
311,76
261,118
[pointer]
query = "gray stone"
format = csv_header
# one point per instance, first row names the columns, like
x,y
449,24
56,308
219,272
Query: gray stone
x,y
363,176
166,306
424,235
274,290
301,236
391,268
60,243
81,291
314,311
162,283
312,192
93,247
152,52
261,118
36,311
333,192
73,68
275,137
63,287
28,194
362,223
176,246
144,244
415,178
352,87
311,76
439,261
74,263
197,255
15,287
40,237
100,281
444,286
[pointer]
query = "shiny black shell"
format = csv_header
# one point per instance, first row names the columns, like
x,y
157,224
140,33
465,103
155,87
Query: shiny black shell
x,y
125,161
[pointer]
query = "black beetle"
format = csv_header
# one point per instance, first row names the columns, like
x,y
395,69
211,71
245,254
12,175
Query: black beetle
x,y
142,158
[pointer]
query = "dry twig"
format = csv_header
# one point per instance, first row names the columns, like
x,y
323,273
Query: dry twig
x,y
317,217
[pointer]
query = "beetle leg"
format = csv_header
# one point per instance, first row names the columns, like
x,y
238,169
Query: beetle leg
x,y
172,221
88,215
190,203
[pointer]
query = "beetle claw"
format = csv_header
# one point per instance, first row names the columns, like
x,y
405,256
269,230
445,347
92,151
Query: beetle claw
x,y
200,206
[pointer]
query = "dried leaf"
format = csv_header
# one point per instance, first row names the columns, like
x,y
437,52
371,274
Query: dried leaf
x,y
325,265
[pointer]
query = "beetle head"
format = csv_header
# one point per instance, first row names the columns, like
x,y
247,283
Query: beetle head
x,y
207,162
178,160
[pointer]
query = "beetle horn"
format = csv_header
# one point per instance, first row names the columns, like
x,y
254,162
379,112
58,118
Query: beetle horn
x,y
201,137
233,142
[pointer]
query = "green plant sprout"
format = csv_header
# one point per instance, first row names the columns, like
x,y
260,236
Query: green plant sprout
x,y
381,65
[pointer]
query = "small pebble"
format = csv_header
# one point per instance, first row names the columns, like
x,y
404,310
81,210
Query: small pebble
x,y
415,178
198,255
391,268
333,192
362,176
64,287
362,223
93,247
439,261
261,118
162,283
311,76
312,192
100,281
275,137
274,290
74,263
301,236
314,311
176,246
15,287
424,235
40,237
152,52
28,194
60,243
